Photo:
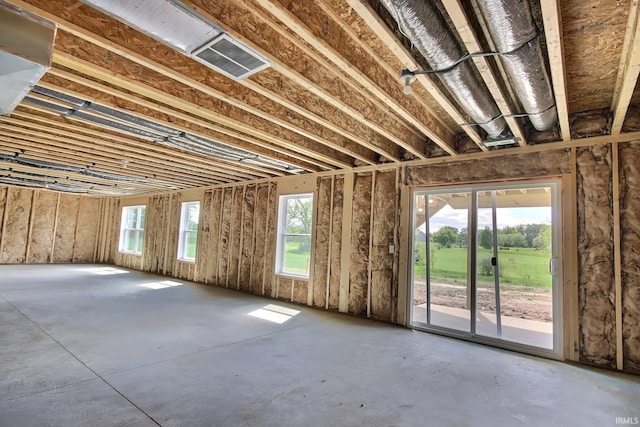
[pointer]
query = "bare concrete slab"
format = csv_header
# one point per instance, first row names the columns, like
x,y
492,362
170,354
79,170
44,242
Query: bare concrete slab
x,y
93,345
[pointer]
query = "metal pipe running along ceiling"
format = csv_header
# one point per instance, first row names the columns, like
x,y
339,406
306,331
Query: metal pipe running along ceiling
x,y
424,25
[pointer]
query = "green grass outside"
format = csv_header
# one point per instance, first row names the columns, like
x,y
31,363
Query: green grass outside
x,y
518,266
295,261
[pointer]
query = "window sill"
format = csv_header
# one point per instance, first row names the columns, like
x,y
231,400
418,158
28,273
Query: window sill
x,y
131,253
293,276
188,261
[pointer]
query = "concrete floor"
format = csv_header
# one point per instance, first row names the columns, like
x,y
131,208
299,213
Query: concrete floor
x,y
80,347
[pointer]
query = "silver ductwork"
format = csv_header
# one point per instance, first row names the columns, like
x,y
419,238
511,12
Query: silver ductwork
x,y
424,25
514,33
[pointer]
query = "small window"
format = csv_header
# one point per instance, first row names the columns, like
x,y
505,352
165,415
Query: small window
x,y
132,229
294,235
188,240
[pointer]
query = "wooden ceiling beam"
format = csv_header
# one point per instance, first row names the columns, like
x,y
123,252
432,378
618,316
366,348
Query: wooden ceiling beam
x,y
628,70
54,12
552,19
391,95
44,155
71,151
301,145
232,167
112,151
231,92
370,17
102,137
209,129
309,71
472,44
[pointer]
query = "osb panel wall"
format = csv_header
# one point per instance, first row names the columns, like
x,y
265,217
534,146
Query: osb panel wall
x,y
596,303
629,155
40,226
527,165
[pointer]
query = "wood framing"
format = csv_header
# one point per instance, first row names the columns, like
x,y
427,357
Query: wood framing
x,y
627,71
553,34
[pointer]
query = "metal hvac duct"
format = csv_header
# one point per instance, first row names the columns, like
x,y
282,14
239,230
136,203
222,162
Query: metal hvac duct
x,y
514,33
424,25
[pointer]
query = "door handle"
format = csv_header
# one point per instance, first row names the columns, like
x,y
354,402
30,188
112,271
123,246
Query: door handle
x,y
553,266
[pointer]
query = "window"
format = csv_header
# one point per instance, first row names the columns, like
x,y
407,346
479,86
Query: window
x,y
132,229
294,235
188,231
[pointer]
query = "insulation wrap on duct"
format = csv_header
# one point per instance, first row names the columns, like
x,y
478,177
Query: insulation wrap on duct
x,y
514,34
424,25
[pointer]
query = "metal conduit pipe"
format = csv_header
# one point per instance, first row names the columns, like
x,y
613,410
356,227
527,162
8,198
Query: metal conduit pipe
x,y
512,29
424,25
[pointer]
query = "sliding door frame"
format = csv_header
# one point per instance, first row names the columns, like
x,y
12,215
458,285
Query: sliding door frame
x,y
557,203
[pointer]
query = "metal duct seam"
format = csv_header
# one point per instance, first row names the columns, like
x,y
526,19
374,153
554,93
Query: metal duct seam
x,y
511,24
426,28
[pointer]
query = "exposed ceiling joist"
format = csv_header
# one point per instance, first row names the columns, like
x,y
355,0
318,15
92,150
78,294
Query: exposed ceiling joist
x,y
628,70
391,97
228,136
460,21
370,17
553,34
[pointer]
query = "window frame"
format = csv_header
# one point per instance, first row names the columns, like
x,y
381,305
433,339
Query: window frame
x,y
282,234
183,237
138,229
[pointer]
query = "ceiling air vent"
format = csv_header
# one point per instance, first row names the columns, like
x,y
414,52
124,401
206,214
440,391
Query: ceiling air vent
x,y
230,57
26,47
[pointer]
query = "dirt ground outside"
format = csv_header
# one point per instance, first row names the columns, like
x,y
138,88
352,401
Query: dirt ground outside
x,y
515,301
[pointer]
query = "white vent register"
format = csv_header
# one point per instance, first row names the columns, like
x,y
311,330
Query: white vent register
x,y
182,28
230,57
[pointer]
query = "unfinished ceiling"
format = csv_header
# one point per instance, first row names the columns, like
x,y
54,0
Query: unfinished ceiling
x,y
121,113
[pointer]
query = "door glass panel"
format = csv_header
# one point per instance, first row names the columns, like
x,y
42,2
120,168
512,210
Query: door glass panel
x,y
486,320
482,261
441,280
524,253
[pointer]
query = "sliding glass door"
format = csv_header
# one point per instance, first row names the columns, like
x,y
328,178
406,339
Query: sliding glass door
x,y
484,264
